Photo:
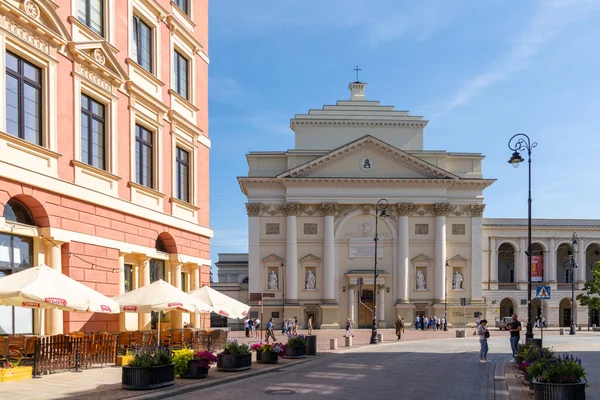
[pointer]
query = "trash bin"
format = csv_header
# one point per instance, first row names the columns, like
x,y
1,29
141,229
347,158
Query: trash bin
x,y
562,331
535,342
311,347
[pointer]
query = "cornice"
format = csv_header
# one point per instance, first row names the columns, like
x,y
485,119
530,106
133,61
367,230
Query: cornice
x,y
259,183
366,123
39,18
368,183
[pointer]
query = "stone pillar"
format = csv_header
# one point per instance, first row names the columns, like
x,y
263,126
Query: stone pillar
x,y
381,305
176,316
351,299
581,260
291,254
522,270
329,280
144,319
550,275
493,264
476,250
54,324
401,281
122,327
441,211
195,285
257,278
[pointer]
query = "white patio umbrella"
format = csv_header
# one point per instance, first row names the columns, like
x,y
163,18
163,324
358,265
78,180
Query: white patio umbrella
x,y
160,296
221,303
44,287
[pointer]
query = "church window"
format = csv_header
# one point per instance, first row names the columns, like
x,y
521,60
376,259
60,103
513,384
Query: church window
x,y
310,229
144,156
421,229
91,13
272,229
23,99
181,75
92,133
458,229
142,43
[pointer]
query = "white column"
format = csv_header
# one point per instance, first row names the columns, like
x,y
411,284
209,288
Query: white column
x,y
351,299
291,256
441,210
144,319
176,316
56,326
493,261
196,285
401,282
257,278
381,311
122,327
476,250
328,252
581,260
550,275
522,272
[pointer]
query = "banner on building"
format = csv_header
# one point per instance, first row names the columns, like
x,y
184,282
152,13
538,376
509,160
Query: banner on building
x,y
537,268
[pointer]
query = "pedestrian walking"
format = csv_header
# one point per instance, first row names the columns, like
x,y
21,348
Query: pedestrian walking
x,y
247,327
251,327
270,330
399,325
417,322
257,324
295,325
515,336
425,323
484,334
348,328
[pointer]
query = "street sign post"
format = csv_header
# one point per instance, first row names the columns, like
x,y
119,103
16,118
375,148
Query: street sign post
x,y
542,293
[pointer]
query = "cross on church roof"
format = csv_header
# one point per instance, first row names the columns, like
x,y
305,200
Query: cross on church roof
x,y
357,71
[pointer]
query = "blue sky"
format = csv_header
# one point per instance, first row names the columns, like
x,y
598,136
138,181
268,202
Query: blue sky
x,y
479,71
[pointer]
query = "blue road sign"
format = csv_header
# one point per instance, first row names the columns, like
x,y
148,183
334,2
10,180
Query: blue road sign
x,y
542,292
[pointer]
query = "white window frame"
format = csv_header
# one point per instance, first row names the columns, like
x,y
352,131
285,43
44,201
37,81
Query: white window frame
x,y
82,32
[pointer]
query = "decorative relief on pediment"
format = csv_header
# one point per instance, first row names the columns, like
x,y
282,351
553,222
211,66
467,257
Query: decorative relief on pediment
x,y
31,9
99,56
424,210
27,36
96,79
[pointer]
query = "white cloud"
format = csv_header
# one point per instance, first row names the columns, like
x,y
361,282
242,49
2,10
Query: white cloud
x,y
548,21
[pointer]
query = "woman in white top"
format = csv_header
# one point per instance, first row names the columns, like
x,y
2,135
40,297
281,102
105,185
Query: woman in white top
x,y
484,334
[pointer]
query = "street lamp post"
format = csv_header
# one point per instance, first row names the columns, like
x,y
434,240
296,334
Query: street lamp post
x,y
573,266
283,298
446,300
517,143
380,211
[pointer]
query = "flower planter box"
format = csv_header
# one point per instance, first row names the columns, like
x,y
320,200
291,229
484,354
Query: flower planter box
x,y
124,360
195,371
295,352
136,378
266,357
556,391
16,374
234,362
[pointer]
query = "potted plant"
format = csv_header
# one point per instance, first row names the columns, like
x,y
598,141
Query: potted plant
x,y
150,368
234,357
296,346
193,365
13,371
268,353
559,377
125,359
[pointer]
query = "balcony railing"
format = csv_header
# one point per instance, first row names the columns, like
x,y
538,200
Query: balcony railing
x,y
507,286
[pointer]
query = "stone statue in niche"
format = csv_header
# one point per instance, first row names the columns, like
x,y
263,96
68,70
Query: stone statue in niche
x,y
421,283
310,281
272,283
457,281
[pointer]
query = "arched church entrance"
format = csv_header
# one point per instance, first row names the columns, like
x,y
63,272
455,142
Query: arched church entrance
x,y
507,308
565,312
365,309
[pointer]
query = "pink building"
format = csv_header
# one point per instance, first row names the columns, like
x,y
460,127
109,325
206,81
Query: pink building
x,y
104,152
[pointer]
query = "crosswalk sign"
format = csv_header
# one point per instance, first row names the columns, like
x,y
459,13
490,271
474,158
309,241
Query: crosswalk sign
x,y
542,292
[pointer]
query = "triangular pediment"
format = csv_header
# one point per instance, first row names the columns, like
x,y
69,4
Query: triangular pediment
x,y
98,56
40,18
272,259
310,259
458,259
422,258
368,157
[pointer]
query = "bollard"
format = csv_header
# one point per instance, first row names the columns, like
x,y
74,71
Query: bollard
x,y
333,344
460,333
348,341
380,337
562,331
311,347
579,328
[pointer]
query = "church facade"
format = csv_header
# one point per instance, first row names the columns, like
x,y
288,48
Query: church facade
x,y
312,220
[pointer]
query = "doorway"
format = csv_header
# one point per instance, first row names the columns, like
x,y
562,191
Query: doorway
x,y
365,309
565,312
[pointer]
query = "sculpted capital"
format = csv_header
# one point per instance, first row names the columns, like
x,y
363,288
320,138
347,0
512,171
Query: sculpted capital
x,y
477,210
442,209
405,209
292,208
253,209
329,208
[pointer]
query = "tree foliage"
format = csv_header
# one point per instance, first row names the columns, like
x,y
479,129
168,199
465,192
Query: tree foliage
x,y
592,290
